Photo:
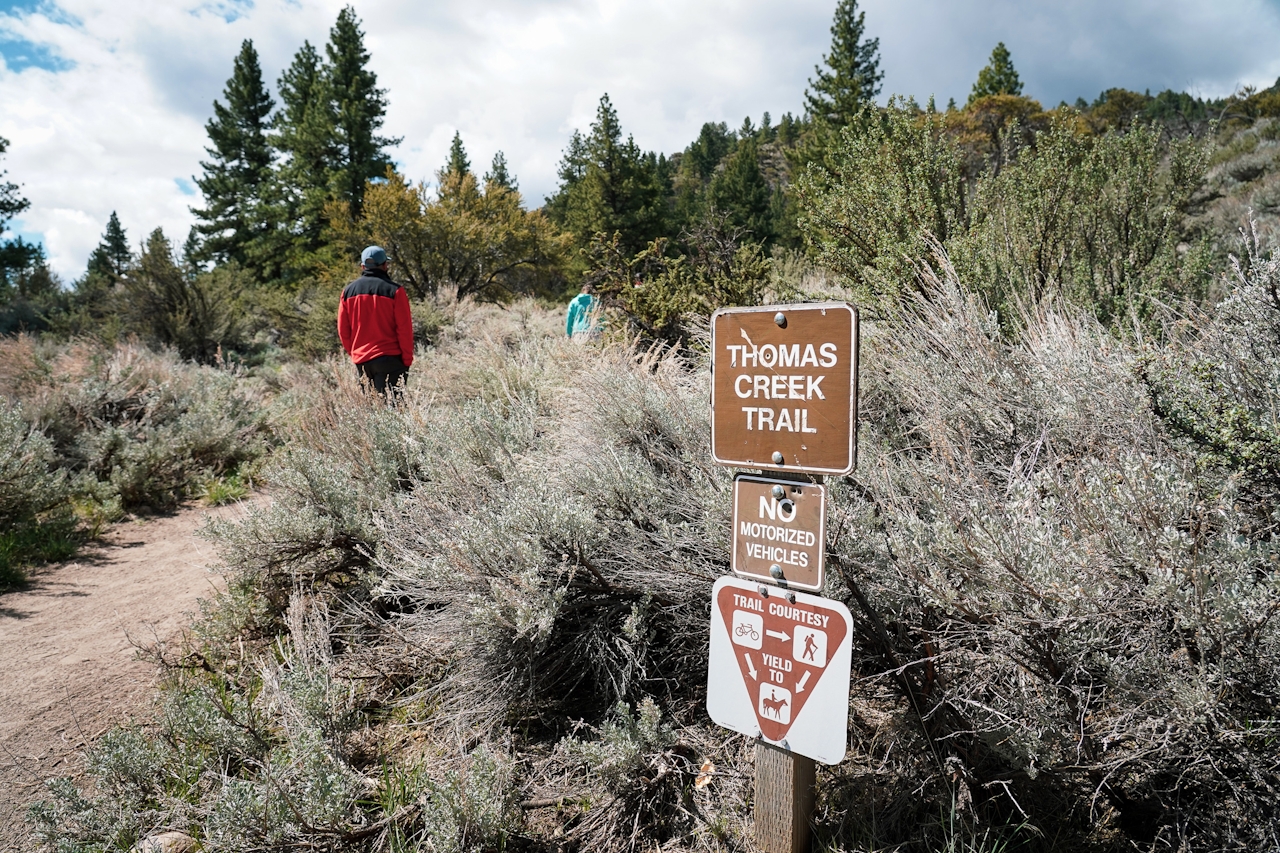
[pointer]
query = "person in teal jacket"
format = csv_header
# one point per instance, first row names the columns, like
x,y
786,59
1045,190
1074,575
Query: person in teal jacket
x,y
583,318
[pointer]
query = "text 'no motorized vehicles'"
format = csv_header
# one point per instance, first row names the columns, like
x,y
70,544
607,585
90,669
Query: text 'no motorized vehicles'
x,y
779,531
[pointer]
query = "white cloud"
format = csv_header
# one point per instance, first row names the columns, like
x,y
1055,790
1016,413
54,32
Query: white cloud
x,y
123,126
1067,50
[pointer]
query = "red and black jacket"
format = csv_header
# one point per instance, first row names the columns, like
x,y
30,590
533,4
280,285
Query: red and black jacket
x,y
374,320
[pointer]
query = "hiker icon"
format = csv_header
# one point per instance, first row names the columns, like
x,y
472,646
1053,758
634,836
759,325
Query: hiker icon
x,y
775,703
809,645
748,628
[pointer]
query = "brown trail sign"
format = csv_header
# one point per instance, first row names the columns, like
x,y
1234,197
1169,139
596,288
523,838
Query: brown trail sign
x,y
784,387
784,398
779,531
779,669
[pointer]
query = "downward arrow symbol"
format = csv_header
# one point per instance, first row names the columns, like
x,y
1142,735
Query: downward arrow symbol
x,y
779,634
752,667
803,682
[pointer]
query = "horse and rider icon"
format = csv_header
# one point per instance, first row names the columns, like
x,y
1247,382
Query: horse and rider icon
x,y
775,703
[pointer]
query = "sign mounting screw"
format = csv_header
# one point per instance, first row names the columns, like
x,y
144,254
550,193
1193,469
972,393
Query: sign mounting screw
x,y
778,458
778,492
780,319
775,570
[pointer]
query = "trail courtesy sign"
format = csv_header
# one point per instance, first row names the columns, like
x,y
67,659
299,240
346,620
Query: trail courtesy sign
x,y
784,387
780,669
779,531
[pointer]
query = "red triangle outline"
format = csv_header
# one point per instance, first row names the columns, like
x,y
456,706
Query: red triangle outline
x,y
836,628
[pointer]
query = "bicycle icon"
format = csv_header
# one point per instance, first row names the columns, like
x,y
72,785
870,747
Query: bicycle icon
x,y
748,629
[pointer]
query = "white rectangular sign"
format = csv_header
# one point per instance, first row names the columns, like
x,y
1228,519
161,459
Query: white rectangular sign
x,y
779,667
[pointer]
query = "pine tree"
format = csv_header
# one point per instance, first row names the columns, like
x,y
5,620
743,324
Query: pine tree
x,y
359,108
458,163
498,175
705,153
234,178
608,186
112,256
740,193
91,298
998,78
305,135
11,200
192,258
768,133
697,165
15,255
854,73
788,130
171,306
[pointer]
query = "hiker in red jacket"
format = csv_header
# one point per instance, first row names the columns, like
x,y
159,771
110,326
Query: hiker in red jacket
x,y
375,327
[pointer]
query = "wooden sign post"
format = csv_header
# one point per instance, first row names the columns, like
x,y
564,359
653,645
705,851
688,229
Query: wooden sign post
x,y
784,799
784,400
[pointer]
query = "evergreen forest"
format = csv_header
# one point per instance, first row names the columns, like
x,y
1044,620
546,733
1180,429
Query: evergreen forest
x,y
476,620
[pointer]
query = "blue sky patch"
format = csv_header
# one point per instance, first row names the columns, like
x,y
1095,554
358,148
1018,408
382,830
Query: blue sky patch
x,y
20,55
16,231
22,8
185,186
228,10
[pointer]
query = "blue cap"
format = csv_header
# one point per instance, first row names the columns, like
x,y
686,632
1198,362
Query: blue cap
x,y
373,256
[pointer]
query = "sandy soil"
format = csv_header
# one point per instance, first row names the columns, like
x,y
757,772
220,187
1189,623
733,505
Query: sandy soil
x,y
69,668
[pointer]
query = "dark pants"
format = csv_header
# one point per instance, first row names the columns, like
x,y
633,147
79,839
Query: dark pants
x,y
385,374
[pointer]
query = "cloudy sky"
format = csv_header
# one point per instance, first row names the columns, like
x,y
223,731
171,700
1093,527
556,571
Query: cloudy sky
x,y
104,104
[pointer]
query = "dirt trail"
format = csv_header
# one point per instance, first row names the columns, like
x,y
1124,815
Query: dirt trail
x,y
68,668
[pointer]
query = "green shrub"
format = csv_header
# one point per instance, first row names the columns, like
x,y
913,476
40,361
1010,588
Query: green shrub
x,y
1218,384
169,306
566,535
1065,600
1097,220
146,429
48,541
31,487
30,483
645,776
474,808
661,297
219,491
88,432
